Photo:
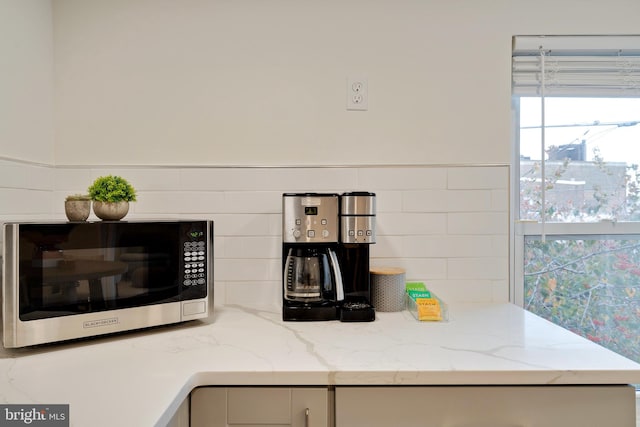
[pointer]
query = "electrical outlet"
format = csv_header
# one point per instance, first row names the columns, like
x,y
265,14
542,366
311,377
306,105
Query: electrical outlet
x,y
357,94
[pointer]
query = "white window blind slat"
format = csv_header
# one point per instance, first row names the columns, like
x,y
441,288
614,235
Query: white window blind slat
x,y
577,65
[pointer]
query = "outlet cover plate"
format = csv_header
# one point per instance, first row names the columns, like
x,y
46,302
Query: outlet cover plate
x,y
357,94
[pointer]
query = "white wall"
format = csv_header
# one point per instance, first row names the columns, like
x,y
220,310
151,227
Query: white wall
x,y
264,81
26,80
26,109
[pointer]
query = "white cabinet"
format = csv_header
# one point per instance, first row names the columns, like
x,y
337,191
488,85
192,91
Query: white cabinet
x,y
485,406
260,406
414,406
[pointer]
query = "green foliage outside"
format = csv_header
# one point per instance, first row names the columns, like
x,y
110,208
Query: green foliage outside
x,y
591,287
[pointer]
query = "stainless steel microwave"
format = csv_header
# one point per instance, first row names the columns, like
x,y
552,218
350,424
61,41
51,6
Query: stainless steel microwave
x,y
72,280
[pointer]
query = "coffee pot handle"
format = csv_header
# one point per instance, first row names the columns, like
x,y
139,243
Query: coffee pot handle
x,y
337,274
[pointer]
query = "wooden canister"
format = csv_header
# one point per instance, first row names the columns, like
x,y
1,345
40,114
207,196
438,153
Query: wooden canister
x,y
387,288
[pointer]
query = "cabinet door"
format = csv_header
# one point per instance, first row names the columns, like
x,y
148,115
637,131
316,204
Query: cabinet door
x,y
260,406
209,407
485,406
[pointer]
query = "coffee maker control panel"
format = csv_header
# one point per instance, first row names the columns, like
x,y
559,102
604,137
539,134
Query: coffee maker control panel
x,y
310,218
358,229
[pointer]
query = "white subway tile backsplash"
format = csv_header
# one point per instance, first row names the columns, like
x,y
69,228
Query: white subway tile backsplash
x,y
242,269
72,180
181,202
25,176
469,201
501,290
275,225
33,202
446,226
424,246
425,201
260,293
500,245
410,223
268,179
166,179
465,291
388,247
388,201
476,178
142,178
447,201
403,178
276,269
256,202
478,223
448,246
416,268
489,268
500,200
231,225
262,247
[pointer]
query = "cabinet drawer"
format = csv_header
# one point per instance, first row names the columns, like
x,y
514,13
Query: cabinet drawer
x,y
259,406
485,406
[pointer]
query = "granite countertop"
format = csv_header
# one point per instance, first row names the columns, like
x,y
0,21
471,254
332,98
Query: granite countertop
x,y
141,378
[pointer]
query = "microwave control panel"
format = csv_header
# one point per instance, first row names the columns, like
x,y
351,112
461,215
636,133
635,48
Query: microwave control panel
x,y
195,263
195,260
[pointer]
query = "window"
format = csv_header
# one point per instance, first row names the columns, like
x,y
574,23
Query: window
x,y
577,167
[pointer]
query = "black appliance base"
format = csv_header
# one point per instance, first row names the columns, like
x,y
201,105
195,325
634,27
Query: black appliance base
x,y
308,313
357,311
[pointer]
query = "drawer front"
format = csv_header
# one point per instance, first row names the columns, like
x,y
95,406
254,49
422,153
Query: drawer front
x,y
486,406
259,406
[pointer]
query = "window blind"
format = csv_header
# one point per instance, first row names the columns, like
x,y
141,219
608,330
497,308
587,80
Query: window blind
x,y
576,65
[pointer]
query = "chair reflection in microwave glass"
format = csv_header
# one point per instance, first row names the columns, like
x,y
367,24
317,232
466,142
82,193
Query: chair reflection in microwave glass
x,y
147,272
70,273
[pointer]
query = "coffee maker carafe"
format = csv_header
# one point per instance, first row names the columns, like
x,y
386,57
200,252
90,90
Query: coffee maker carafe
x,y
312,275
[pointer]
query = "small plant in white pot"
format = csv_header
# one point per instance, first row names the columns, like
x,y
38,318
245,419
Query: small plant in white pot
x,y
77,207
111,196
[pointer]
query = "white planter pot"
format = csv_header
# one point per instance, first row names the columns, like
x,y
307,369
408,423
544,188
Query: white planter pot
x,y
77,210
111,211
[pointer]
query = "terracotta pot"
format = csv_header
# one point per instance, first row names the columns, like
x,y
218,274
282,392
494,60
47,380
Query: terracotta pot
x,y
111,211
77,210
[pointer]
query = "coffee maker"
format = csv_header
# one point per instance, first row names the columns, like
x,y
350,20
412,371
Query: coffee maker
x,y
325,256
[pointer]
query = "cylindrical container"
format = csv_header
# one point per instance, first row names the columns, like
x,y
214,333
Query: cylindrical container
x,y
387,288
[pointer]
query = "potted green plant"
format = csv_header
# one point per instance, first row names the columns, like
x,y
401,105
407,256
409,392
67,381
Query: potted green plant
x,y
111,195
77,207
